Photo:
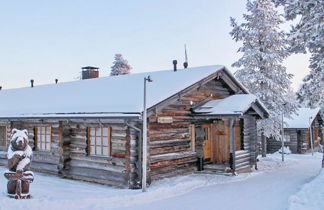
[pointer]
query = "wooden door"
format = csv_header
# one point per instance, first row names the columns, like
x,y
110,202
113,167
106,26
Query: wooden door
x,y
221,142
207,142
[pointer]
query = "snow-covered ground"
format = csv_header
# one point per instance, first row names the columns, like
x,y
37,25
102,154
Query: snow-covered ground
x,y
310,196
268,188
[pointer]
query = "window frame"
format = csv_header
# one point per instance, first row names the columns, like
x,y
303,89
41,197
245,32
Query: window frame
x,y
109,143
38,147
3,148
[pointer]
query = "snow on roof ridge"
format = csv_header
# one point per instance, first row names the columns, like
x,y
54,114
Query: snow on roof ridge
x,y
125,75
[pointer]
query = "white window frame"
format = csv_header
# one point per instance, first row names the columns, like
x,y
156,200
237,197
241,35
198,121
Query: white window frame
x,y
99,141
43,138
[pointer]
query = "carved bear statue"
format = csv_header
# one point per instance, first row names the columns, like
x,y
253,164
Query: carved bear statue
x,y
19,159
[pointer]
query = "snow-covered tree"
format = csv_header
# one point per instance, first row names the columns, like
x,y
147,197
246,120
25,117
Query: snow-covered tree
x,y
120,66
260,67
308,35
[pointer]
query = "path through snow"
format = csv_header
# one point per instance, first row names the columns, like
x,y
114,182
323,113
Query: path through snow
x,y
268,188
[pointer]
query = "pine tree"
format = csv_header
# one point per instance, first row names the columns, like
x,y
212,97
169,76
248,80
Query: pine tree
x,y
308,35
264,48
120,66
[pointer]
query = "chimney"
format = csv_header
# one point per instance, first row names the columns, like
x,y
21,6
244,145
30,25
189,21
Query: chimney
x,y
0,87
56,81
31,83
175,62
185,65
90,72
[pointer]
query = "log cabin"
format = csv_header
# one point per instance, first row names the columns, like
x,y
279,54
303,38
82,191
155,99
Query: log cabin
x,y
298,130
91,129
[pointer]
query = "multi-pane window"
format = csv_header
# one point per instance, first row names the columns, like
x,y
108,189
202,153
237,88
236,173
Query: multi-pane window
x,y
3,137
99,141
43,138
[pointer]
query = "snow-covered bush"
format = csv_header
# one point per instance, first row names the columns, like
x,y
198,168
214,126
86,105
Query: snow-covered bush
x,y
286,151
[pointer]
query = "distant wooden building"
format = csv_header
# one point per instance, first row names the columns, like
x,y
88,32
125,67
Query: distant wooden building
x,y
297,132
92,129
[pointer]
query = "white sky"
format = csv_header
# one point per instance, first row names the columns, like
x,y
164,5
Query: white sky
x,y
44,40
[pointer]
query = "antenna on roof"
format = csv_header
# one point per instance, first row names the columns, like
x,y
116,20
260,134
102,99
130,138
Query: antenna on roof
x,y
185,64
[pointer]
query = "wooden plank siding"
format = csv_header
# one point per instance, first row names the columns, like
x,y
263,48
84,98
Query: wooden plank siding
x,y
170,148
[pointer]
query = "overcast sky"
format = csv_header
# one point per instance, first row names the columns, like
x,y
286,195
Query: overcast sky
x,y
45,39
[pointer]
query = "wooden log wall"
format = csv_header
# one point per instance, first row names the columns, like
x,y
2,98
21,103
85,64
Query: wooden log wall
x,y
43,161
242,161
250,137
237,134
298,144
78,164
170,143
68,156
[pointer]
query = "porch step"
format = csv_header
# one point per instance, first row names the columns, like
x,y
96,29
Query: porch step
x,y
241,160
241,154
242,165
214,172
243,169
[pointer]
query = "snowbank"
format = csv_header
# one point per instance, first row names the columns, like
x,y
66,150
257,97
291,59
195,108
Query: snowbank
x,y
51,192
310,196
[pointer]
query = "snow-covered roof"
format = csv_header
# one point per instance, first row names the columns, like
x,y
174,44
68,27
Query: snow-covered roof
x,y
232,105
104,96
302,119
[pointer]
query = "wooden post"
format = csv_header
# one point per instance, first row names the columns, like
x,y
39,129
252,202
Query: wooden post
x,y
282,138
232,143
144,163
311,135
264,145
322,146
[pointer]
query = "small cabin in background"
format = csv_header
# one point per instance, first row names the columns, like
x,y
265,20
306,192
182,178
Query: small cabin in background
x,y
298,131
92,129
89,72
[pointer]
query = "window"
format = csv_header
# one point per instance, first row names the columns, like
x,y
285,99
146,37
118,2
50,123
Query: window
x,y
206,133
43,138
287,138
3,137
99,141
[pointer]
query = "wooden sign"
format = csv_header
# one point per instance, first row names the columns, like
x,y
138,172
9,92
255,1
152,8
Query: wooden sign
x,y
165,120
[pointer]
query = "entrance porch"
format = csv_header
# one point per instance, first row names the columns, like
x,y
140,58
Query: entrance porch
x,y
227,133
